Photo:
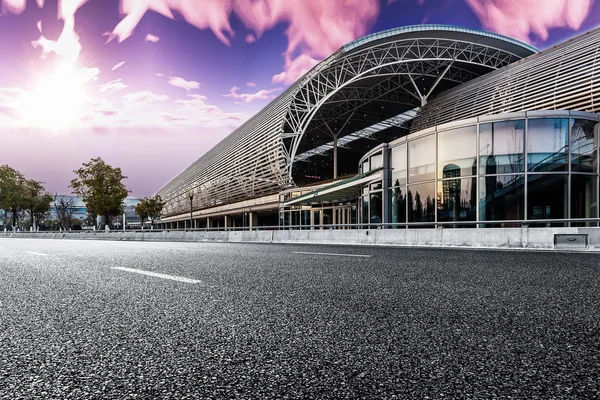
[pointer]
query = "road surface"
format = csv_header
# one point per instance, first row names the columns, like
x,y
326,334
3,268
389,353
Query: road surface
x,y
128,320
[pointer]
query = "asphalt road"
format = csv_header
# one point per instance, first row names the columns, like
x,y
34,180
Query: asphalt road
x,y
276,322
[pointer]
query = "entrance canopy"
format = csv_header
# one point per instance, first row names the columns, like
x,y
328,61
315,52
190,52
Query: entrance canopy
x,y
344,190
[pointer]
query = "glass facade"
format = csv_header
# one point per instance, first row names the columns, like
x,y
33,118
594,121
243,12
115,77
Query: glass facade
x,y
535,169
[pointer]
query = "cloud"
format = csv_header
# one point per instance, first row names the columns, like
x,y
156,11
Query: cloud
x,y
250,38
251,84
205,114
180,82
248,97
524,18
143,97
315,28
152,38
118,65
295,68
113,86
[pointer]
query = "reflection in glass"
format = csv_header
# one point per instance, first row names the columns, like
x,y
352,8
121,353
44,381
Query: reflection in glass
x,y
458,148
421,159
295,218
456,200
376,215
584,145
398,200
547,198
583,198
421,202
376,161
547,144
365,209
398,164
501,147
365,167
327,216
305,217
502,198
316,217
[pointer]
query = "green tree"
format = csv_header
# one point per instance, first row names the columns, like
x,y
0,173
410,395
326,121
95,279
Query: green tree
x,y
35,201
12,192
101,188
149,208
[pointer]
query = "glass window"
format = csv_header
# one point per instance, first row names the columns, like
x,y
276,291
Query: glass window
x,y
547,198
376,212
584,145
398,164
305,217
365,166
376,186
376,161
365,209
584,203
327,216
421,202
502,198
398,205
295,218
501,147
457,200
457,152
316,217
421,159
547,144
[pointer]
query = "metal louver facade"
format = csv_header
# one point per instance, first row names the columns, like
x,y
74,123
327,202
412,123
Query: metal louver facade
x,y
565,77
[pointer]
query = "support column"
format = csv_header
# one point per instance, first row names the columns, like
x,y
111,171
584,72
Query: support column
x,y
335,156
252,220
387,177
226,222
207,223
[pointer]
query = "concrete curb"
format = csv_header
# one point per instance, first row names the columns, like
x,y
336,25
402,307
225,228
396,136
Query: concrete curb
x,y
505,238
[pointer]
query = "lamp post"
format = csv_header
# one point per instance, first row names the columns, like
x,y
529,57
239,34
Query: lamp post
x,y
191,193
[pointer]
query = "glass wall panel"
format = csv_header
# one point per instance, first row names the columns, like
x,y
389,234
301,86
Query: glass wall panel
x,y
501,147
547,144
457,152
584,145
295,218
316,217
376,161
456,200
305,218
584,203
421,202
376,215
398,206
398,165
502,198
365,209
547,198
421,159
327,216
365,167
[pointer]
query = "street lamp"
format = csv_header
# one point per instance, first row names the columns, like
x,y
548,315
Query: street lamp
x,y
191,193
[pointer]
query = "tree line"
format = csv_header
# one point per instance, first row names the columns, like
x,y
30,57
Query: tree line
x,y
25,203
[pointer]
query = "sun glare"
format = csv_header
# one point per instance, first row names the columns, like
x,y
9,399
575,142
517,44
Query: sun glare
x,y
55,101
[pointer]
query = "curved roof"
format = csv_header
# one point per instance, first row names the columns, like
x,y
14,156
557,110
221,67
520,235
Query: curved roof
x,y
458,30
376,81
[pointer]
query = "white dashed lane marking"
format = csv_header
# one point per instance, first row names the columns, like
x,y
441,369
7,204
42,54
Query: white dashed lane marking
x,y
157,275
36,253
333,254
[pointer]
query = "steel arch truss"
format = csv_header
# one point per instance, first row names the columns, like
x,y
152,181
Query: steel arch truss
x,y
336,81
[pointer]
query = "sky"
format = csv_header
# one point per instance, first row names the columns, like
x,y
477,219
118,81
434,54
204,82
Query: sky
x,y
151,85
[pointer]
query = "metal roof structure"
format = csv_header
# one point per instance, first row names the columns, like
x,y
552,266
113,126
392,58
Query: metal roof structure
x,y
375,81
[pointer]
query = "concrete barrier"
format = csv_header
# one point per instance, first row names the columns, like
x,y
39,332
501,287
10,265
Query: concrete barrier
x,y
501,238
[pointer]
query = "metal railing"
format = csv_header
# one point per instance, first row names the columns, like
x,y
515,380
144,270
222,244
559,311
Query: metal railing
x,y
537,223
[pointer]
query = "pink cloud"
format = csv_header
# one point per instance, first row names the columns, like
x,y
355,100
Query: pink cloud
x,y
295,68
113,86
152,38
250,38
143,97
181,83
524,18
118,65
251,84
248,97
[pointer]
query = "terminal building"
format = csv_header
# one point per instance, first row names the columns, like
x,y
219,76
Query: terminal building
x,y
419,126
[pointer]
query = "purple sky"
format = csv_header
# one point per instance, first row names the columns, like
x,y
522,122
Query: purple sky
x,y
151,85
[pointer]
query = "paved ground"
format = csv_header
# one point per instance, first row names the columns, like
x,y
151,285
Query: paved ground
x,y
271,321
